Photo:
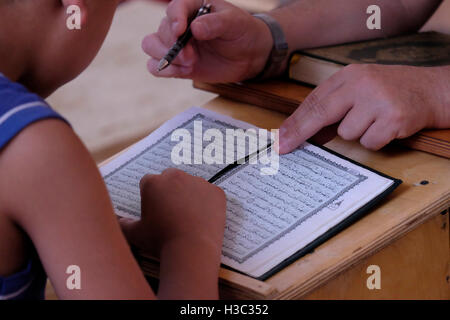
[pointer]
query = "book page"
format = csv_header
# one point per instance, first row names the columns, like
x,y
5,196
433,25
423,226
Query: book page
x,y
153,154
269,218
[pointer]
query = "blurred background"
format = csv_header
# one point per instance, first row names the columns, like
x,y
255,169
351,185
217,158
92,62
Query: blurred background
x,y
116,102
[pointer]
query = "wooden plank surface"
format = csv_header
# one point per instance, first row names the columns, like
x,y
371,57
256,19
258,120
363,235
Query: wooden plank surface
x,y
281,96
402,277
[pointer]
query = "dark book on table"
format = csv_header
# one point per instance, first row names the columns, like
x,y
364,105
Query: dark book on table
x,y
426,49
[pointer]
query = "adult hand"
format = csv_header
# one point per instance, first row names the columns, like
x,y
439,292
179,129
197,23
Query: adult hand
x,y
374,104
228,44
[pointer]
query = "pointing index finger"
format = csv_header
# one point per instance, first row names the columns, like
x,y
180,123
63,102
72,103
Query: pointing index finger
x,y
323,107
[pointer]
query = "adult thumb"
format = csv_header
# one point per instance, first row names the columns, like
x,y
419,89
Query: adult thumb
x,y
212,26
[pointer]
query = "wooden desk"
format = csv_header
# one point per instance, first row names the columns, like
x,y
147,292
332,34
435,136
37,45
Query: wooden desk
x,y
407,236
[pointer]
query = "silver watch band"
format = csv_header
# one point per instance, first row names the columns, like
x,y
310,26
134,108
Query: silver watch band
x,y
280,47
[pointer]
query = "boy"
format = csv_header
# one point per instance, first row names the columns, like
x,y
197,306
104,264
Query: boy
x,y
54,208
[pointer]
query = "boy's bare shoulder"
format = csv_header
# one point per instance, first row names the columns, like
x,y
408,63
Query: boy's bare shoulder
x,y
30,156
41,155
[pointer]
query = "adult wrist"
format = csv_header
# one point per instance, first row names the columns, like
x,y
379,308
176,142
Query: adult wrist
x,y
262,49
276,60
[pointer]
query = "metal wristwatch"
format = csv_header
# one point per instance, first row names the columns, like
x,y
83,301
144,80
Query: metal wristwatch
x,y
280,48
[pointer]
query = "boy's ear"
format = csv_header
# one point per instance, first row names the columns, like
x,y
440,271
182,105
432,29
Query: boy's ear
x,y
74,8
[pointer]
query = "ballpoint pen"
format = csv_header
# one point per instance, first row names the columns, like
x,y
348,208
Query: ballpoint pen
x,y
182,40
238,162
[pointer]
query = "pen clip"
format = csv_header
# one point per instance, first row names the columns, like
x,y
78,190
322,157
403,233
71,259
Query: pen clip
x,y
206,8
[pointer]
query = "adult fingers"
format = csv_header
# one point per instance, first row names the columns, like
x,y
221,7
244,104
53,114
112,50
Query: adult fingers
x,y
165,33
378,135
334,82
222,24
153,46
315,113
179,11
326,105
173,71
356,122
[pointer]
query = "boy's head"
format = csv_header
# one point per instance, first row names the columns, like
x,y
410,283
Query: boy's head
x,y
38,49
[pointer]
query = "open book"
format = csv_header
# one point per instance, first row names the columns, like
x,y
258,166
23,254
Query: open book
x,y
278,209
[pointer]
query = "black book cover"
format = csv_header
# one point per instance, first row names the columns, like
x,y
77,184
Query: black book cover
x,y
426,49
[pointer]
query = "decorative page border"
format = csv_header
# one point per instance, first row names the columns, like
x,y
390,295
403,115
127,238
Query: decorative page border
x,y
233,171
360,178
195,117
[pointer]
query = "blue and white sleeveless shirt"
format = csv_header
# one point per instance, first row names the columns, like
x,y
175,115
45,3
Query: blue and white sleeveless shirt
x,y
18,109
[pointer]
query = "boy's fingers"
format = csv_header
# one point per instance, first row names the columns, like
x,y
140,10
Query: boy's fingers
x,y
178,12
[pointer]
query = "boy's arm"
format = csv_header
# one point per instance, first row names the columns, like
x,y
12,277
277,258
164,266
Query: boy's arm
x,y
183,221
52,189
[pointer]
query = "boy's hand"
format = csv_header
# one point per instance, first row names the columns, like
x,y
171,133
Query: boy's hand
x,y
183,221
228,44
177,207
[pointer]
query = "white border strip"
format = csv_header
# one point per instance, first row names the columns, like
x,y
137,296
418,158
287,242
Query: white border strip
x,y
22,107
17,293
